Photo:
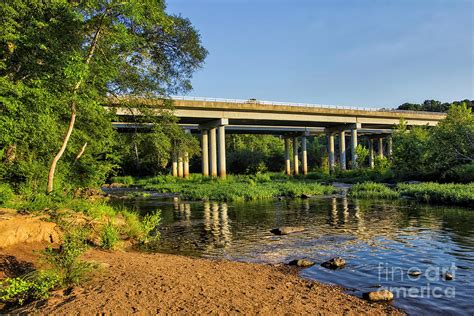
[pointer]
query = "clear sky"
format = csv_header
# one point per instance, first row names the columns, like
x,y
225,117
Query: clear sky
x,y
378,53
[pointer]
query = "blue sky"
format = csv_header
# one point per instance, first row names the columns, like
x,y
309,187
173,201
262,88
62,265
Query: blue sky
x,y
378,53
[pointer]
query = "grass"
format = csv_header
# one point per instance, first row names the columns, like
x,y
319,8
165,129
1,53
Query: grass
x,y
372,190
234,188
456,194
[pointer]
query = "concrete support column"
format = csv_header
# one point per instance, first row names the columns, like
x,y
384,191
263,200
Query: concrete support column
x,y
180,165
296,162
342,150
205,152
213,150
174,163
354,147
287,157
331,151
222,162
186,164
371,153
304,155
381,147
389,147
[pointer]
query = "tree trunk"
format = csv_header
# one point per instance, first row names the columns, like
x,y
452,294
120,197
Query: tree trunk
x,y
72,119
81,152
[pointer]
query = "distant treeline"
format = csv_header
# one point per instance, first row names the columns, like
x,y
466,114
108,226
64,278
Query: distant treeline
x,y
434,106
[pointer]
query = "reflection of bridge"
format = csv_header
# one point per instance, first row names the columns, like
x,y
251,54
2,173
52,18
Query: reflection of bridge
x,y
214,117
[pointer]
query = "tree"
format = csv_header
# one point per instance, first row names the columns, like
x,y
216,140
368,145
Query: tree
x,y
77,55
452,140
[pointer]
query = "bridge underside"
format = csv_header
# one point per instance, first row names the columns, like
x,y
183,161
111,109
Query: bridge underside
x,y
212,119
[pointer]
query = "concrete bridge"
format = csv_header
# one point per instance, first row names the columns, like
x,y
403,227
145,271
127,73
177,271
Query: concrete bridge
x,y
212,118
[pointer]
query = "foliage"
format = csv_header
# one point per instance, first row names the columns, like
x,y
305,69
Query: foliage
x,y
434,106
33,286
463,173
372,190
362,155
48,68
6,193
127,180
434,153
109,236
65,260
460,194
148,225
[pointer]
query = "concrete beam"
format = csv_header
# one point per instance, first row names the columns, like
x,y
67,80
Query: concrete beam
x,y
354,148
214,123
371,153
174,164
186,165
331,156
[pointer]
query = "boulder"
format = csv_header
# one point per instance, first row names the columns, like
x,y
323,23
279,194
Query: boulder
x,y
302,263
334,263
285,230
378,296
414,273
15,229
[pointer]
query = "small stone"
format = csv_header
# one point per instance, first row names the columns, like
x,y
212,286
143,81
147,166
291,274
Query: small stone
x,y
285,230
414,273
378,296
448,276
334,263
302,263
305,196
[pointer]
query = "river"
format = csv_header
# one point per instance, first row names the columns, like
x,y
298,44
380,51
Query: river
x,y
382,241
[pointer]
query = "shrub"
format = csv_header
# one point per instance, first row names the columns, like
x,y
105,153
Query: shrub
x,y
6,193
128,180
148,226
461,194
109,236
65,260
464,173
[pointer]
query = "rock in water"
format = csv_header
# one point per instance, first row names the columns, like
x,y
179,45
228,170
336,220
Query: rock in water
x,y
448,276
303,263
378,296
334,263
285,230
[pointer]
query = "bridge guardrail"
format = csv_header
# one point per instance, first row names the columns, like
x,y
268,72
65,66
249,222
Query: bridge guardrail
x,y
254,101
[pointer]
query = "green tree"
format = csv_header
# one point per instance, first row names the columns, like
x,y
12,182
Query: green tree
x,y
61,61
452,140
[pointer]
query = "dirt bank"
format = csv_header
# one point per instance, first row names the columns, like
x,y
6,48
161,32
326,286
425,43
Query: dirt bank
x,y
161,283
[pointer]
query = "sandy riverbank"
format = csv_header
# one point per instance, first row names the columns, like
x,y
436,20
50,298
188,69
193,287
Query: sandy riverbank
x,y
161,283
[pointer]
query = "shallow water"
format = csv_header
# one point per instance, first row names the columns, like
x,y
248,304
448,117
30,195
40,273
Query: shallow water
x,y
380,240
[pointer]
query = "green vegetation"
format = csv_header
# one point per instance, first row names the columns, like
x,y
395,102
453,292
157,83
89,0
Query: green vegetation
x,y
61,62
260,186
460,194
434,106
372,190
109,236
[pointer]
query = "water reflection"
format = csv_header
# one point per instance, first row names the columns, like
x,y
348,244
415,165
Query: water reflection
x,y
367,233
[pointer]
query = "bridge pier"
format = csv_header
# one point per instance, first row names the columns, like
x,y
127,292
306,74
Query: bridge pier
x,y
205,152
304,157
222,159
380,147
342,150
354,147
213,150
287,157
389,147
186,164
174,163
330,137
295,156
371,153
180,165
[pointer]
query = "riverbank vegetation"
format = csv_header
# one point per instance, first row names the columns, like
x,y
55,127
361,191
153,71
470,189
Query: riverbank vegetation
x,y
235,188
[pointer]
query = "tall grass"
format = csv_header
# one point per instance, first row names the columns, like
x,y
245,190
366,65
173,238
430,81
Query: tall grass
x,y
459,194
234,188
372,190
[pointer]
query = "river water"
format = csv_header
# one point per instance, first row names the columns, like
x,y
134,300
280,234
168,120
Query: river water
x,y
382,241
